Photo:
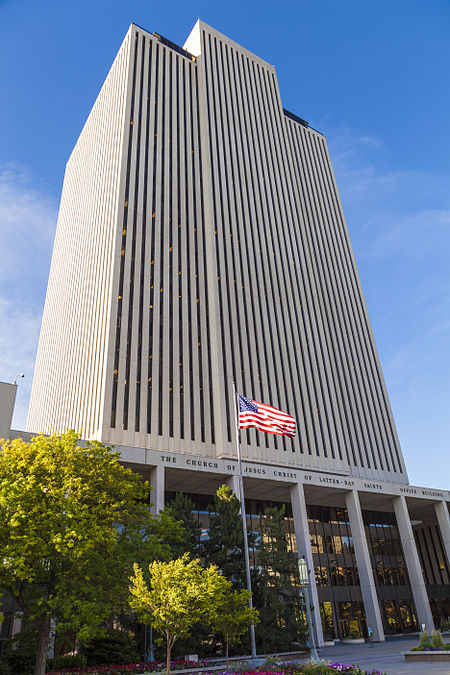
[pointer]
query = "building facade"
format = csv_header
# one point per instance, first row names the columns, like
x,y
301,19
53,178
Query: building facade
x,y
201,241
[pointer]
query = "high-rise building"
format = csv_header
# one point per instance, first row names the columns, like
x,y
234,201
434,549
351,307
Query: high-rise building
x,y
200,241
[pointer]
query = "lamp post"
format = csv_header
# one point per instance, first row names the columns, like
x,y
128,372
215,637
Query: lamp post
x,y
304,591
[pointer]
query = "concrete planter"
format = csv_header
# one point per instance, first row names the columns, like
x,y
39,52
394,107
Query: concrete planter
x,y
427,656
353,641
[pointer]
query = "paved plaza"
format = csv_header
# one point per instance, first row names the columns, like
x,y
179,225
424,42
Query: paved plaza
x,y
386,657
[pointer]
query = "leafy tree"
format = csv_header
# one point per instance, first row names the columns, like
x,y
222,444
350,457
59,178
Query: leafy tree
x,y
276,586
180,594
232,616
225,546
72,520
181,509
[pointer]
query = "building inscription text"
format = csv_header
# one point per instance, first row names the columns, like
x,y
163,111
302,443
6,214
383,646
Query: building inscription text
x,y
220,466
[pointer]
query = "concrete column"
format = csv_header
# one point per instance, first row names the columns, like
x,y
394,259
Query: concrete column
x,y
51,640
157,495
233,483
303,539
418,588
366,580
443,518
16,624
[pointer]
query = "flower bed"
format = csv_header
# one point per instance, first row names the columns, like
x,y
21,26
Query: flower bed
x,y
124,669
281,669
352,669
432,648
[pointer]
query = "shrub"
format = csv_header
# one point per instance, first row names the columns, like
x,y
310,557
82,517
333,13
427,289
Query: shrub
x,y
20,654
116,646
67,661
271,661
19,661
425,641
240,667
351,669
5,668
318,669
436,639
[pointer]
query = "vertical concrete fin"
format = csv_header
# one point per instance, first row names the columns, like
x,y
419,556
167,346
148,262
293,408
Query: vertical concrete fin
x,y
157,480
443,518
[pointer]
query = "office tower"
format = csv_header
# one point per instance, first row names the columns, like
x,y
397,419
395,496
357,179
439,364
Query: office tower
x,y
201,241
209,245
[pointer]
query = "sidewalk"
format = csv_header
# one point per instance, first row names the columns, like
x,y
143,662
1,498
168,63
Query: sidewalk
x,y
387,657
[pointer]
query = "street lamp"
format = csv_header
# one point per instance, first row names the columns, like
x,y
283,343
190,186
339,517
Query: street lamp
x,y
18,375
304,591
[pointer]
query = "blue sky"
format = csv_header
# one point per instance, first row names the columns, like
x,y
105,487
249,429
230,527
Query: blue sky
x,y
372,76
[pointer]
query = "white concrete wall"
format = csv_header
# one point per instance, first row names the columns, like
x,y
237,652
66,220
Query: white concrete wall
x,y
7,400
70,374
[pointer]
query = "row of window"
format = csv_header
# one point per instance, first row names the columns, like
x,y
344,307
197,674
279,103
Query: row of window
x,y
361,404
260,183
336,576
336,543
241,124
169,223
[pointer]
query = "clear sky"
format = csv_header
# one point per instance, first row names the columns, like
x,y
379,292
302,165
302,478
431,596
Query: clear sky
x,y
373,76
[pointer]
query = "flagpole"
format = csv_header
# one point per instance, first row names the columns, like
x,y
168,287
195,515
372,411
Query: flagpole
x,y
244,518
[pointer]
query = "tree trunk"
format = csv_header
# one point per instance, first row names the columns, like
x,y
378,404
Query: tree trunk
x,y
41,656
226,652
169,647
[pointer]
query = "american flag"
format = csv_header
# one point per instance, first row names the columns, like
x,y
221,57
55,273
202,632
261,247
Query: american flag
x,y
265,418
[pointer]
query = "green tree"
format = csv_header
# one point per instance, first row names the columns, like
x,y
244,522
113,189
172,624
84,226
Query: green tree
x,y
181,510
225,546
72,520
276,586
232,615
180,593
